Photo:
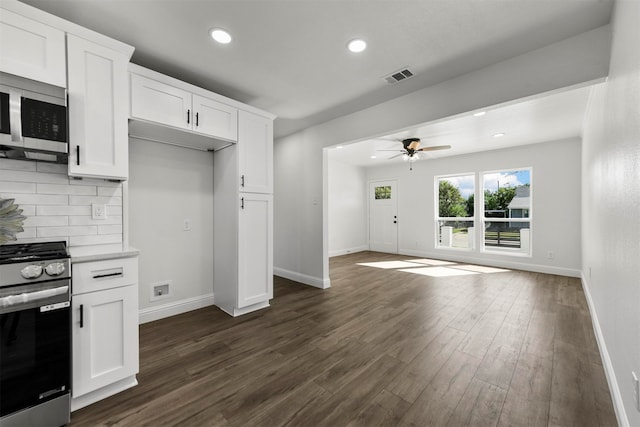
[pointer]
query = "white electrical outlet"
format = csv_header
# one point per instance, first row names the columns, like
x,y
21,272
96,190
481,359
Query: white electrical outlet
x,y
636,390
187,225
550,255
98,211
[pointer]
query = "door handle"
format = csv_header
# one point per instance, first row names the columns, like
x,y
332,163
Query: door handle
x,y
197,120
77,155
188,116
82,315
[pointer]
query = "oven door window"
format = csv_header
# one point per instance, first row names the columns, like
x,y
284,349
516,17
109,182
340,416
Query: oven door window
x,y
34,356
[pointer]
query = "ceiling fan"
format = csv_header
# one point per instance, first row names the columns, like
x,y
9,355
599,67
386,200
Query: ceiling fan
x,y
411,151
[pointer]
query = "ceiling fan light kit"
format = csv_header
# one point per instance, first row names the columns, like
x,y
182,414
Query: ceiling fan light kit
x,y
411,151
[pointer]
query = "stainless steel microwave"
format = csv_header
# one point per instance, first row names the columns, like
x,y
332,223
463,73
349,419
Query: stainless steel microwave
x,y
33,120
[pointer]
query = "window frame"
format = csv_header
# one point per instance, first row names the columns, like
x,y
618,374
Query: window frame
x,y
471,230
482,219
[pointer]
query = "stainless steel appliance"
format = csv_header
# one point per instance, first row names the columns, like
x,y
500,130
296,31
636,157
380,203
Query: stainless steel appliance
x,y
33,120
35,346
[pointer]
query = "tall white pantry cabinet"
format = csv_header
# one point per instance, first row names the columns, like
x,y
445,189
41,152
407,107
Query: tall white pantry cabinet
x,y
243,218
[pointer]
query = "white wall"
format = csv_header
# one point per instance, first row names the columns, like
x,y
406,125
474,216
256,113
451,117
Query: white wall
x,y
347,204
611,210
300,240
555,186
58,207
168,185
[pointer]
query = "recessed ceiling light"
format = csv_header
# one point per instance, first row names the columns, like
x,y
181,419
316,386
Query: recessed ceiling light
x,y
373,157
357,45
339,147
498,135
479,113
220,35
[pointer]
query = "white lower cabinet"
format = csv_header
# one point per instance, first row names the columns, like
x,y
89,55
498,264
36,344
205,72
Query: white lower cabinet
x,y
104,329
255,254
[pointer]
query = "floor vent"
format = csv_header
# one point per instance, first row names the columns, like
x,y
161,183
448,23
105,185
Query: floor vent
x,y
398,76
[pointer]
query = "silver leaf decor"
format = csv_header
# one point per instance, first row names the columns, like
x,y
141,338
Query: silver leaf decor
x,y
11,220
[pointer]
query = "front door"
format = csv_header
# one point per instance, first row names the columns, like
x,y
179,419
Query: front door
x,y
383,216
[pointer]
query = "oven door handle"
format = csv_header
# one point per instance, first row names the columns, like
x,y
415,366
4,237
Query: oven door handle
x,y
27,297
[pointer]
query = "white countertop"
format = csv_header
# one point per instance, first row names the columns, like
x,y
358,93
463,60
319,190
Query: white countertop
x,y
99,253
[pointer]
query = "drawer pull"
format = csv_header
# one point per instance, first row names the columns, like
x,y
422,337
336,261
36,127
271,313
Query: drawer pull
x,y
109,272
102,276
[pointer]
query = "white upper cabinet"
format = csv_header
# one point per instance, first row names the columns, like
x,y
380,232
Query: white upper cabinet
x,y
214,118
168,105
159,102
98,119
255,153
31,49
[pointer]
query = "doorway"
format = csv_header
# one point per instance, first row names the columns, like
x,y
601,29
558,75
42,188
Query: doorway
x,y
383,216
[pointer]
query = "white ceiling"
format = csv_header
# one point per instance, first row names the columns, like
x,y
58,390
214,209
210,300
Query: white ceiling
x,y
544,118
288,56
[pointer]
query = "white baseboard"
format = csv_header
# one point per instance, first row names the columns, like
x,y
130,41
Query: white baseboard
x,y
316,282
616,395
177,307
338,252
515,265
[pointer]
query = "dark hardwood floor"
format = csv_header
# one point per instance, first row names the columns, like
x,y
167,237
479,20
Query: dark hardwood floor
x,y
381,347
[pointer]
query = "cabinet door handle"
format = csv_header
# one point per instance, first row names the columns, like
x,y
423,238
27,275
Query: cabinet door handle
x,y
77,155
82,315
242,203
242,181
197,120
188,116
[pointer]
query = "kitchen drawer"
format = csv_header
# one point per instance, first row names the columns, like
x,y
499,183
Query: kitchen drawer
x,y
107,274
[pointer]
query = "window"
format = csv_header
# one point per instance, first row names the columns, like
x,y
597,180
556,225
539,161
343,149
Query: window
x,y
455,211
383,192
507,211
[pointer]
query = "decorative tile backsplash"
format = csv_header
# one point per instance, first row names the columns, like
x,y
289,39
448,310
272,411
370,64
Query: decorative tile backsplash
x,y
58,207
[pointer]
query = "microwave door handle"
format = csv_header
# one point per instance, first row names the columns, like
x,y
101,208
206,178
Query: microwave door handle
x,y
15,115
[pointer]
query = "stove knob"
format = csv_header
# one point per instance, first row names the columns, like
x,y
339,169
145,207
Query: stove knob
x,y
55,268
31,271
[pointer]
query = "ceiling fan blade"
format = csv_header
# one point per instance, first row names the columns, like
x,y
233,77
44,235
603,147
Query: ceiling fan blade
x,y
396,150
397,155
435,147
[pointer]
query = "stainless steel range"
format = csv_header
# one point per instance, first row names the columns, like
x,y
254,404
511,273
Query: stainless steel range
x,y
35,346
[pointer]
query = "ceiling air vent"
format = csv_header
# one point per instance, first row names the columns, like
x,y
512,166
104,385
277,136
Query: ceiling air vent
x,y
398,76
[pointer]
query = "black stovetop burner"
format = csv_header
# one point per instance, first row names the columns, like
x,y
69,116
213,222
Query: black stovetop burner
x,y
32,252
